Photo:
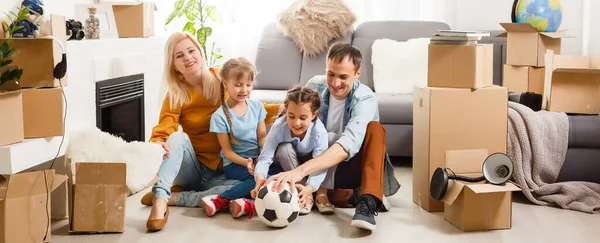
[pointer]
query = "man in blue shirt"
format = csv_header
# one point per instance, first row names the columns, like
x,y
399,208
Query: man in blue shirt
x,y
350,113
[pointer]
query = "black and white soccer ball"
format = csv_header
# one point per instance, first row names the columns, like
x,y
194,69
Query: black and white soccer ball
x,y
276,209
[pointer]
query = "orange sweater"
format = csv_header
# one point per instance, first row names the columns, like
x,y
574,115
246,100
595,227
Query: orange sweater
x,y
194,118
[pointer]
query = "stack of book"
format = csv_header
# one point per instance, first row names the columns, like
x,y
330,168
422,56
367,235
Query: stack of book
x,y
457,37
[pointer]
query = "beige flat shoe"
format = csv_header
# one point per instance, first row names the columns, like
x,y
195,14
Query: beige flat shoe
x,y
308,207
325,208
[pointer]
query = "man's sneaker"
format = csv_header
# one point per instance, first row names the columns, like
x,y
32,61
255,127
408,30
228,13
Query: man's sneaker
x,y
364,216
241,207
213,203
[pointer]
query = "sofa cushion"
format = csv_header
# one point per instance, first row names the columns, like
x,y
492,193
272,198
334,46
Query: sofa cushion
x,y
278,61
367,32
312,66
395,109
269,96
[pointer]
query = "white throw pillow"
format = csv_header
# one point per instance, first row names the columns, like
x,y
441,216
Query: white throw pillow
x,y
399,66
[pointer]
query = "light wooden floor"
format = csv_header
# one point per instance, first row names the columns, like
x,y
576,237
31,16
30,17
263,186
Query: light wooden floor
x,y
406,222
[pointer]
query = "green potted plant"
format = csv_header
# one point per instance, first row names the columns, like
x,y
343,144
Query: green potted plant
x,y
197,13
10,76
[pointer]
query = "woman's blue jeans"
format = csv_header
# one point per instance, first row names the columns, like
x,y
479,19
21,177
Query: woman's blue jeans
x,y
182,168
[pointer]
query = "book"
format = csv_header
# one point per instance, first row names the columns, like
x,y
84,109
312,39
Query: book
x,y
463,33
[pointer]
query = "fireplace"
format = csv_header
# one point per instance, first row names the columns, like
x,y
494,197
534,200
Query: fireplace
x,y
120,107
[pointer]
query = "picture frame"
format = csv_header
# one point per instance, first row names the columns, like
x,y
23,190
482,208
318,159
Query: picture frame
x,y
104,12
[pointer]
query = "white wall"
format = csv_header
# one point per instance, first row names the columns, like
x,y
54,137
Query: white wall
x,y
60,7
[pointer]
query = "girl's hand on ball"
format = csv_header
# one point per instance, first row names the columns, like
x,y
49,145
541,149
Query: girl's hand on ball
x,y
260,181
304,193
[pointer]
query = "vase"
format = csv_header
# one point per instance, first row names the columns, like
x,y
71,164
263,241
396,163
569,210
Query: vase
x,y
92,25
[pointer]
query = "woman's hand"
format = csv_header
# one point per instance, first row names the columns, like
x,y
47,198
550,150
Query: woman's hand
x,y
260,181
250,166
166,148
304,193
282,178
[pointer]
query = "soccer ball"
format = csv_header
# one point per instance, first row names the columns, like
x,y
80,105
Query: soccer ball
x,y
276,209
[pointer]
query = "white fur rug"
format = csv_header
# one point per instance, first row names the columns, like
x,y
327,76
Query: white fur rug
x,y
142,159
311,24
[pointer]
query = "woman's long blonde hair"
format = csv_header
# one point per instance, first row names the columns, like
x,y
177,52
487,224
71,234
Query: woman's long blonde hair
x,y
177,87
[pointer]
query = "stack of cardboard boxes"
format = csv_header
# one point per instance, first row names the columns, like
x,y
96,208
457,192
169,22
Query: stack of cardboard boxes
x,y
534,64
37,111
460,112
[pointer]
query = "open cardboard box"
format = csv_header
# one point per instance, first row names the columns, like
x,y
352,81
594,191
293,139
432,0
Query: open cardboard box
x,y
476,206
526,46
134,19
572,84
99,198
11,123
23,207
38,56
453,119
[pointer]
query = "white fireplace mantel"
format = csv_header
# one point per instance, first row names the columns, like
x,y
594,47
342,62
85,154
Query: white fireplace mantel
x,y
90,61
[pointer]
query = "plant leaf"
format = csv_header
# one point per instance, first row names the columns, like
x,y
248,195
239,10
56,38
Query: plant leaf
x,y
189,27
216,55
6,62
192,10
17,73
213,14
203,34
179,5
171,16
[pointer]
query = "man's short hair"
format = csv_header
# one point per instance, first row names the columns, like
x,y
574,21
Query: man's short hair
x,y
340,50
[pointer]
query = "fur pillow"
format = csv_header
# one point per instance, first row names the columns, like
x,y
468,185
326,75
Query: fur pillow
x,y
142,159
399,66
311,24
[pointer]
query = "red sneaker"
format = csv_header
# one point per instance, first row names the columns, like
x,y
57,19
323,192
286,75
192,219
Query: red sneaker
x,y
212,204
240,207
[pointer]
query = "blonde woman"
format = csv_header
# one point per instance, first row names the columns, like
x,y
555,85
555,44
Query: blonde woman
x,y
191,159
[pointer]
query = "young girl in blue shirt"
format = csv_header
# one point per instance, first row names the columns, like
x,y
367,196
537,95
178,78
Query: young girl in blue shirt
x,y
241,131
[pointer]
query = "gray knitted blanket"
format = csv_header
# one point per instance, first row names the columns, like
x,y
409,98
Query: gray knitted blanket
x,y
537,145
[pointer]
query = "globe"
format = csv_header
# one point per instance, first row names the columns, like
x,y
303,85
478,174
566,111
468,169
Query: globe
x,y
543,15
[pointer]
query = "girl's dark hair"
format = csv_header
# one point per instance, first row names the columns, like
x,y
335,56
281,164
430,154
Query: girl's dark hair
x,y
234,68
302,95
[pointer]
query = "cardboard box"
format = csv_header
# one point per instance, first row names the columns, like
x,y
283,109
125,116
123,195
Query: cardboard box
x,y
572,84
526,46
11,123
476,206
460,66
134,19
99,197
37,58
23,205
524,79
454,119
43,112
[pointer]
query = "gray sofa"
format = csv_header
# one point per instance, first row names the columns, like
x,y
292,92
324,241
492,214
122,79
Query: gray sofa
x,y
281,65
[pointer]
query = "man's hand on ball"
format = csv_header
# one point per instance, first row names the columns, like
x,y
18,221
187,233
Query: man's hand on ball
x,y
281,179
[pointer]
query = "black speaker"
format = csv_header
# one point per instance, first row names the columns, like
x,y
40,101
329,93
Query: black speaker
x,y
497,169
